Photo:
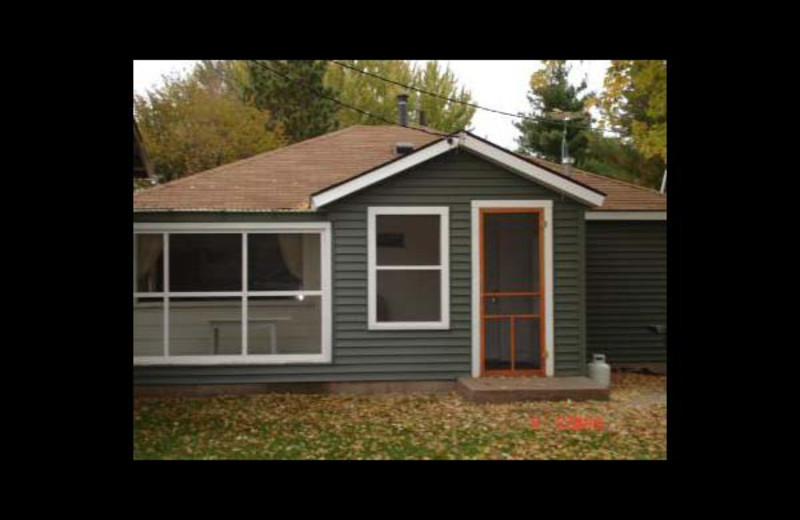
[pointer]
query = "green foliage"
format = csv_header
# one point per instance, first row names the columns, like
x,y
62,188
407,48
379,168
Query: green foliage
x,y
197,122
294,101
613,157
634,103
379,97
551,90
367,93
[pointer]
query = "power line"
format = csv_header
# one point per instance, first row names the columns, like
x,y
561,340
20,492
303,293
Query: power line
x,y
466,103
364,112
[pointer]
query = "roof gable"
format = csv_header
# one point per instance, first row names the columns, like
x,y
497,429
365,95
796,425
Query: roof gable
x,y
485,149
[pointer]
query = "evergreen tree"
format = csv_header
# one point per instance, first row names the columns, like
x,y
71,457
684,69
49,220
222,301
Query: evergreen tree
x,y
294,100
614,157
550,90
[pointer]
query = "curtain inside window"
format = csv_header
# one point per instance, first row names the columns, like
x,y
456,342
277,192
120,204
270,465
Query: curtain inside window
x,y
291,247
150,248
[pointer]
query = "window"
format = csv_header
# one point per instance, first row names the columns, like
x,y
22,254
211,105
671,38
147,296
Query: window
x,y
408,278
220,294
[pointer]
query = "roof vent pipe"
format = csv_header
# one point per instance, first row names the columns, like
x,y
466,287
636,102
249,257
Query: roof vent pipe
x,y
423,119
402,109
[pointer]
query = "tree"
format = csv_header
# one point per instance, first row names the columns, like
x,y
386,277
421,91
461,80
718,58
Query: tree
x,y
296,96
613,157
441,114
223,77
379,97
370,94
197,122
634,103
550,90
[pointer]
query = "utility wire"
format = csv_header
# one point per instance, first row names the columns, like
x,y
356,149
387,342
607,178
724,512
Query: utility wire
x,y
466,103
364,112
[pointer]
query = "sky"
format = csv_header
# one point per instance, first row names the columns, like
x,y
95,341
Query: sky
x,y
498,84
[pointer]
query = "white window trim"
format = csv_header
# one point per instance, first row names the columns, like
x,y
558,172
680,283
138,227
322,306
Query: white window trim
x,y
547,205
325,292
468,142
444,267
626,215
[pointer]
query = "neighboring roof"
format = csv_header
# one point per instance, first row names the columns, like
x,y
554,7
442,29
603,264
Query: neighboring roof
x,y
142,167
286,178
620,195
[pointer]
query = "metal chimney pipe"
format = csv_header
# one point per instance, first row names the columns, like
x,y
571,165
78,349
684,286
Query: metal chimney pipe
x,y
402,109
423,119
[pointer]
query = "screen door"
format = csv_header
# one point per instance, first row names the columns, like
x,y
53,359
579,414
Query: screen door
x,y
512,304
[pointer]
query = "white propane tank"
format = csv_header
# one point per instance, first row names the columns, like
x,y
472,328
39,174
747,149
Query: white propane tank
x,y
599,370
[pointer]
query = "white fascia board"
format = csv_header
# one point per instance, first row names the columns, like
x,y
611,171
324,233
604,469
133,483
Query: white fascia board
x,y
547,178
626,215
359,183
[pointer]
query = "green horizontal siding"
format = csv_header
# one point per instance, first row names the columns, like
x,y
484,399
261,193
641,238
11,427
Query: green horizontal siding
x,y
453,180
626,269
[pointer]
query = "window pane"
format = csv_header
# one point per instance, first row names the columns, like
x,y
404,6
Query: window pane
x,y
511,252
205,326
409,295
205,262
283,262
407,239
284,325
148,327
149,263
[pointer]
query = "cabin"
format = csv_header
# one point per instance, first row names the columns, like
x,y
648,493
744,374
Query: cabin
x,y
394,254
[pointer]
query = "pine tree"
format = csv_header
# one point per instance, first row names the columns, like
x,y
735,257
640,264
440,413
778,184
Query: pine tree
x,y
550,90
295,98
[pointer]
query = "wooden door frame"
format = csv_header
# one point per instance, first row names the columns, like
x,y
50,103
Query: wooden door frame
x,y
545,207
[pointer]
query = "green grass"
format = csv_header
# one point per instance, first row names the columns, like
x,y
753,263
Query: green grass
x,y
301,426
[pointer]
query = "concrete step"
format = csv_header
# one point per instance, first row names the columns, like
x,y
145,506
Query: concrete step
x,y
511,389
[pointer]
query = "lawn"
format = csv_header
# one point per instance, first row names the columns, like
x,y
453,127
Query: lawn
x,y
632,425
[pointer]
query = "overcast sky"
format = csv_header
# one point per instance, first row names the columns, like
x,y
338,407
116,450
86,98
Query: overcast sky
x,y
498,84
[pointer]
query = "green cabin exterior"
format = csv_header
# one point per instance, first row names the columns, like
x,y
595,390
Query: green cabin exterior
x,y
609,282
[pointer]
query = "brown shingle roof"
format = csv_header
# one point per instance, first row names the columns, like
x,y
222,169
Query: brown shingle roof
x,y
620,195
284,179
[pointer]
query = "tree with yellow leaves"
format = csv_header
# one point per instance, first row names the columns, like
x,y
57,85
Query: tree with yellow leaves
x,y
196,122
634,104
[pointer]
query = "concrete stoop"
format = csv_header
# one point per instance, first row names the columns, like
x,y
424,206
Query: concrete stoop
x,y
511,389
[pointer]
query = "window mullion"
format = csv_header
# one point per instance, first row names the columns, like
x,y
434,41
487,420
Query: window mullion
x,y
166,293
244,294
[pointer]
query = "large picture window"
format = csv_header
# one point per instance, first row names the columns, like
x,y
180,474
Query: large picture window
x,y
218,294
408,278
